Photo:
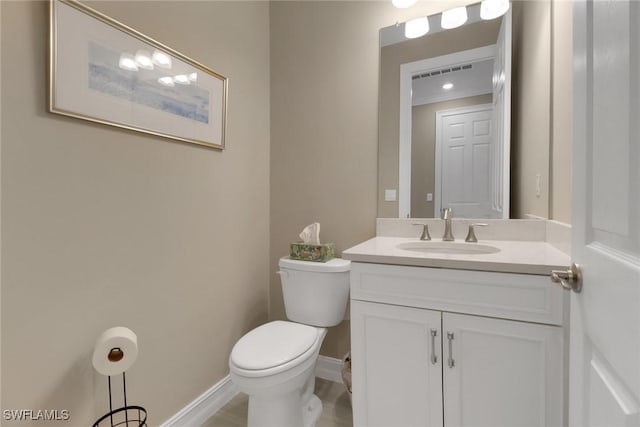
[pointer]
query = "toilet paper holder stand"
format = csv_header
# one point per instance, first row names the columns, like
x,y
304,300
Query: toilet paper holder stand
x,y
126,415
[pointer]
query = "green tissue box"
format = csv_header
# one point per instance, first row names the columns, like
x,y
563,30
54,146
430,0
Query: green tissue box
x,y
316,253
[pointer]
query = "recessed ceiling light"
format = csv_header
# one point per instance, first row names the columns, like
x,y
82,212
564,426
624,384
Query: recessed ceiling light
x,y
416,27
447,86
454,18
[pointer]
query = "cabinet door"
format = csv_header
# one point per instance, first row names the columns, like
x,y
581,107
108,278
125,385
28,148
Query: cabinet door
x,y
501,373
396,366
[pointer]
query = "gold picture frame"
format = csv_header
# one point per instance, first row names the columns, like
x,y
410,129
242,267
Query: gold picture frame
x,y
103,71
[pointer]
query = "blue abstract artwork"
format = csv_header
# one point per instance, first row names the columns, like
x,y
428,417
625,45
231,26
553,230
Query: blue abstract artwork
x,y
142,87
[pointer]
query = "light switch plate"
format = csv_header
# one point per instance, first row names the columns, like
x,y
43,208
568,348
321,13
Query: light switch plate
x,y
389,195
429,197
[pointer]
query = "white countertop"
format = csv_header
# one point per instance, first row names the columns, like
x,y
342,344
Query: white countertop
x,y
526,257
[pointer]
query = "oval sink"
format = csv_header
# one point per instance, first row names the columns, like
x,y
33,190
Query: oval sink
x,y
448,248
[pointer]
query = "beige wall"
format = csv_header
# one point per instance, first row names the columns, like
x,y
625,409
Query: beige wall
x,y
323,156
391,57
105,227
423,146
562,110
543,70
531,99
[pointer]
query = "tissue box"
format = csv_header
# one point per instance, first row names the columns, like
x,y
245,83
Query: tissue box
x,y
307,252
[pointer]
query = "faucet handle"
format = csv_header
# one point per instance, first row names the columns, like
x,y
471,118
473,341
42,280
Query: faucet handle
x,y
425,231
471,235
446,213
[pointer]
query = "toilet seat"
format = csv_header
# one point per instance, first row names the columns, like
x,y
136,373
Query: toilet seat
x,y
274,347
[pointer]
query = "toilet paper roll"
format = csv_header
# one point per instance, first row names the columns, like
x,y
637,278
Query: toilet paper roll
x,y
116,351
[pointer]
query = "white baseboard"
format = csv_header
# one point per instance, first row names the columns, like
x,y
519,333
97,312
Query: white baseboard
x,y
329,368
204,406
212,400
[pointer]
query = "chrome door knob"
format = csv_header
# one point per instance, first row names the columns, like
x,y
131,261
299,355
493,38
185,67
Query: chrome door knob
x,y
570,279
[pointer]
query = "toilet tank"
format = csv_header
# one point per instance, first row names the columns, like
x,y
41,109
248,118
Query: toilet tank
x,y
315,293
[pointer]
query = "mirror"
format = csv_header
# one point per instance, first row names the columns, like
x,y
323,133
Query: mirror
x,y
443,146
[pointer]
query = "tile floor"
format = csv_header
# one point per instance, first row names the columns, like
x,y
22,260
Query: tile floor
x,y
335,401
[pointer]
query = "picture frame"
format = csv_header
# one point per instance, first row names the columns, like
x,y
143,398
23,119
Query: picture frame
x,y
106,72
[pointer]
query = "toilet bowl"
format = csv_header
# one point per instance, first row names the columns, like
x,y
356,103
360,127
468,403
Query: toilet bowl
x,y
275,363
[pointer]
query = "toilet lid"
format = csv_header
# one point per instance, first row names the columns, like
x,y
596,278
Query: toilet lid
x,y
273,344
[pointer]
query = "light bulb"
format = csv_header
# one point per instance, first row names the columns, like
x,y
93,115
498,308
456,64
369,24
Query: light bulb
x,y
454,18
161,59
182,79
127,62
143,60
402,4
492,9
416,27
166,81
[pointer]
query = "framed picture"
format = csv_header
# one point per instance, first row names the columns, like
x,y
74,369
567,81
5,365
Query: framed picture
x,y
103,71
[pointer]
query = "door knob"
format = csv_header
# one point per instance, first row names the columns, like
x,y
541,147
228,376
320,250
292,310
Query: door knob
x,y
570,279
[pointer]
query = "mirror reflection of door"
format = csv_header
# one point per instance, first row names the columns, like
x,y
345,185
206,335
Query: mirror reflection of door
x,y
474,178
463,161
437,58
465,78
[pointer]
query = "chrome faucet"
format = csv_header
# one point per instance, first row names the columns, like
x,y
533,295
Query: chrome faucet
x,y
447,214
425,231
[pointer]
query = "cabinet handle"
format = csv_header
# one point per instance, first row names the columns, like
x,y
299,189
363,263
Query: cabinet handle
x,y
434,358
450,361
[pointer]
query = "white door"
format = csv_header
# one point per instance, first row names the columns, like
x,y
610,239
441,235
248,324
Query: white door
x,y
397,370
463,145
605,316
501,373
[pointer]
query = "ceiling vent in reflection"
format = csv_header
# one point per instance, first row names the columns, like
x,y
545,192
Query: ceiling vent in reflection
x,y
443,71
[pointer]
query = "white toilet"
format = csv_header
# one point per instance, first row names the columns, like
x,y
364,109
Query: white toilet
x,y
275,363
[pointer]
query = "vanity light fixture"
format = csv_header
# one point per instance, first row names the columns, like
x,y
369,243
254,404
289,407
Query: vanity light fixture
x,y
491,9
143,60
447,86
416,27
127,62
403,4
453,18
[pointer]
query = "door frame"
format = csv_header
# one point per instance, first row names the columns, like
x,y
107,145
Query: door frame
x,y
440,116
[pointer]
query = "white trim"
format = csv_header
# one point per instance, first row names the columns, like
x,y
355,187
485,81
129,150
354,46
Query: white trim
x,y
329,368
204,406
440,115
404,142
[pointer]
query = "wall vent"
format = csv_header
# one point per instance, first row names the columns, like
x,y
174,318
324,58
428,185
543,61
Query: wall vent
x,y
442,71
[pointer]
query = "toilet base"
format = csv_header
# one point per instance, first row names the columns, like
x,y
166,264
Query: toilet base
x,y
311,411
281,413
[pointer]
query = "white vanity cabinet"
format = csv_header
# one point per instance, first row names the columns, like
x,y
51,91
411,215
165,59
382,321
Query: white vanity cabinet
x,y
436,347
